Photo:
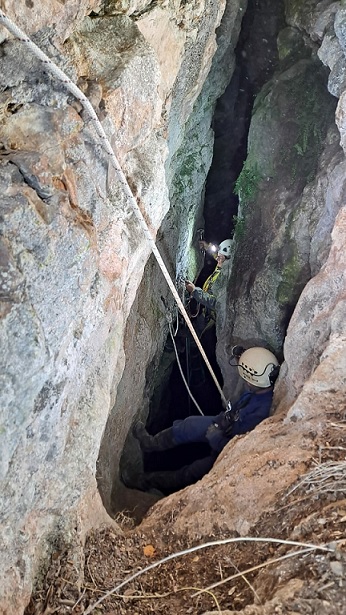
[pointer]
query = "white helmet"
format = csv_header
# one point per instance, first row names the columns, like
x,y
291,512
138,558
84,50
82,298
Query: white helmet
x,y
258,366
225,248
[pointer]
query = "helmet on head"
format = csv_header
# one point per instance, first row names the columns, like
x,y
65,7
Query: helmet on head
x,y
258,366
225,248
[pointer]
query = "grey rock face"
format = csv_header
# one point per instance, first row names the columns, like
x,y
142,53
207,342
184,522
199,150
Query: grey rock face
x,y
33,15
72,258
68,247
82,323
302,176
282,195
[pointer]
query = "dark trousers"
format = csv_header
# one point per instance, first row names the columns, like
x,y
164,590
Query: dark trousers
x,y
167,482
192,429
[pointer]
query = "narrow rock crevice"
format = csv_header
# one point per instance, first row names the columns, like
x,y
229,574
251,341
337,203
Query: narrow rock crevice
x,y
256,60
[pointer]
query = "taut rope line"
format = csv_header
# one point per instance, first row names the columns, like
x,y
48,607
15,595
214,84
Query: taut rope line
x,y
61,76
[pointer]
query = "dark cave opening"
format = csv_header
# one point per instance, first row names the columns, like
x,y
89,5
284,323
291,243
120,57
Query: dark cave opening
x,y
256,60
176,403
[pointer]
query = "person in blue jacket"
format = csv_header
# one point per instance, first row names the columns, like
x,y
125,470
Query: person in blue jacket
x,y
259,368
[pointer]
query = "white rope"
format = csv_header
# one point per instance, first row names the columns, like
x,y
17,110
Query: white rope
x,y
61,76
182,373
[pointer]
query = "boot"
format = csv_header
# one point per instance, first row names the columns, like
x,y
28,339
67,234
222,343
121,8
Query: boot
x,y
161,442
167,482
135,480
170,481
155,482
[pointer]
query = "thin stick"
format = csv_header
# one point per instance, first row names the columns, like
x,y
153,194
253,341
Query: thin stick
x,y
79,599
205,591
165,595
322,473
198,548
242,574
88,567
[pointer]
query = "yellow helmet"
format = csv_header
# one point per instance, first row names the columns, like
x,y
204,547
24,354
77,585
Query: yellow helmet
x,y
258,366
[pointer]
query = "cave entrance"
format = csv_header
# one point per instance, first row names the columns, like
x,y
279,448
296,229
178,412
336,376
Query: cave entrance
x,y
174,402
256,60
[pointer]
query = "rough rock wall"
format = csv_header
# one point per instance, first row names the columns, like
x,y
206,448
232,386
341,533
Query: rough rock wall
x,y
316,337
291,188
68,248
191,149
33,15
72,257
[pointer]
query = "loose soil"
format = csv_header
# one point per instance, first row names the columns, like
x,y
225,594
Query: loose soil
x,y
313,512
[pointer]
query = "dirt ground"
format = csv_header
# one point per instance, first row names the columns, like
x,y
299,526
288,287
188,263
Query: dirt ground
x,y
297,581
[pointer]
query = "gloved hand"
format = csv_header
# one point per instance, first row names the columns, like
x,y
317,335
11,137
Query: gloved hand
x,y
225,423
216,437
212,430
190,287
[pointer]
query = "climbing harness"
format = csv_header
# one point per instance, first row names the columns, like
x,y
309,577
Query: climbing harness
x,y
63,78
196,313
207,313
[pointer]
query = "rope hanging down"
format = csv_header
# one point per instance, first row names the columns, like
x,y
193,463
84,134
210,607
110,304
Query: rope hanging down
x,y
61,76
181,371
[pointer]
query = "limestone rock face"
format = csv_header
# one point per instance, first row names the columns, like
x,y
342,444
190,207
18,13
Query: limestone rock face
x,y
33,15
65,263
82,321
284,225
167,37
72,253
316,336
126,94
291,189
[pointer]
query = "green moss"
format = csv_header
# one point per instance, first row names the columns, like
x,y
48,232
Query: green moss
x,y
291,47
239,227
291,117
246,186
156,310
295,7
312,113
188,167
290,275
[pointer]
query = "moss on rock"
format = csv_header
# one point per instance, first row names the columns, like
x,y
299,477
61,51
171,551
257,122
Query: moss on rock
x,y
290,120
290,275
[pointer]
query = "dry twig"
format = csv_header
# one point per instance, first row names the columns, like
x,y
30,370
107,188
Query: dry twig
x,y
115,589
253,568
328,476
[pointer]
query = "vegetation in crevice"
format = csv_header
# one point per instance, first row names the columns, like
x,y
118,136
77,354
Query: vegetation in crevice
x,y
246,186
314,110
290,274
239,227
